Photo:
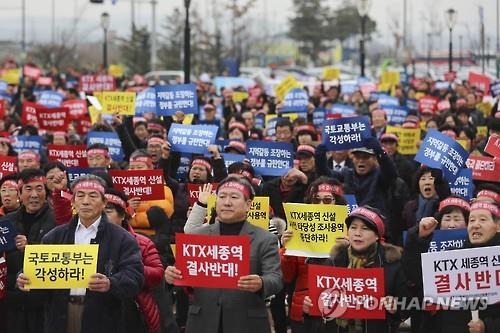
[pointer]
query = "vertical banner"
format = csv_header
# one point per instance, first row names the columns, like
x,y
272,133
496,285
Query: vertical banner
x,y
211,261
315,228
270,158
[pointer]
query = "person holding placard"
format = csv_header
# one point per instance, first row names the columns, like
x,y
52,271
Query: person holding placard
x,y
120,272
215,310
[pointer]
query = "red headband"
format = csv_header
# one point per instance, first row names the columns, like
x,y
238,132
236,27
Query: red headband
x,y
155,139
334,189
27,155
114,199
306,148
454,202
489,194
485,205
239,126
35,179
201,162
155,127
306,128
59,133
373,217
236,186
97,151
142,159
9,183
247,175
6,140
89,185
236,145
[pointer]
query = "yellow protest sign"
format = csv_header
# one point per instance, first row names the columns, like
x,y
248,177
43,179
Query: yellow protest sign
x,y
315,228
116,70
419,95
60,266
285,85
188,119
408,139
122,102
331,73
258,214
239,96
390,77
464,143
482,131
11,76
485,108
94,114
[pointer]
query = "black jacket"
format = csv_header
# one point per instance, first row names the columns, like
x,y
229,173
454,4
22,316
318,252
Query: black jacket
x,y
272,190
120,259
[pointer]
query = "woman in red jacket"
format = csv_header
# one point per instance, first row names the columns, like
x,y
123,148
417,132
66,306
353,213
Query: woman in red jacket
x,y
117,213
323,190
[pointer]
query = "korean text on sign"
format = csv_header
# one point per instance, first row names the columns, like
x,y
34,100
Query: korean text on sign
x,y
258,215
109,139
60,266
463,186
467,273
408,139
69,155
53,119
191,138
442,152
7,236
180,97
346,133
296,100
270,158
8,165
121,102
91,83
212,261
27,142
315,228
145,184
355,292
483,167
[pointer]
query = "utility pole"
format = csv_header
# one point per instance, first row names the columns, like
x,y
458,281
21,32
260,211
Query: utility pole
x,y
153,35
132,15
53,27
23,27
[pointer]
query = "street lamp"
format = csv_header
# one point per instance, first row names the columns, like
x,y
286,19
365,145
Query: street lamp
x,y
187,44
451,18
363,6
105,27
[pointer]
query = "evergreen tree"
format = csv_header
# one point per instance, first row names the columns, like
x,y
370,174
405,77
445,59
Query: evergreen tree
x,y
136,51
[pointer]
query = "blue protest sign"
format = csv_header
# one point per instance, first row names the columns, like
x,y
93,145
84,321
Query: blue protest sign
x,y
145,101
50,98
412,104
7,236
396,115
182,171
27,142
270,158
221,144
319,116
192,138
232,82
343,109
388,100
179,97
351,202
74,173
463,186
296,100
260,121
111,140
495,89
375,96
5,96
442,152
3,85
347,88
403,78
231,158
443,240
346,133
442,85
271,126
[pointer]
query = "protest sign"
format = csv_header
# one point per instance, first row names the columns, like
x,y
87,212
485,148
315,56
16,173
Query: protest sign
x,y
194,191
484,168
450,76
53,119
296,100
191,138
408,139
77,108
443,240
145,101
396,115
495,89
7,235
239,96
467,273
345,292
73,173
232,82
7,166
285,85
11,76
412,104
428,103
346,133
109,139
211,261
387,100
390,77
182,171
331,73
343,109
480,81
45,81
28,113
319,116
367,89
315,228
121,102
493,146
69,155
3,86
230,158
145,184
351,202
50,99
60,266
443,105
463,186
116,70
482,131
32,71
348,87
179,97
442,152
91,83
270,158
27,142
258,214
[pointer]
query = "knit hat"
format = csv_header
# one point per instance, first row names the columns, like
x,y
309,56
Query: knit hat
x,y
372,219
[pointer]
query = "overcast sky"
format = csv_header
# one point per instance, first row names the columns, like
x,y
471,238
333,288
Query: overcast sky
x,y
275,13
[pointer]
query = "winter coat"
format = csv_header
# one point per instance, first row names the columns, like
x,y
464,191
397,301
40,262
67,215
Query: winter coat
x,y
294,268
272,190
140,221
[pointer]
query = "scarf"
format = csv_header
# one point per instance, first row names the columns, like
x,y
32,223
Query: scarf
x,y
425,208
358,260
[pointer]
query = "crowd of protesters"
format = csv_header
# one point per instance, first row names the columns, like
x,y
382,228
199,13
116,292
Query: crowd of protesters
x,y
133,288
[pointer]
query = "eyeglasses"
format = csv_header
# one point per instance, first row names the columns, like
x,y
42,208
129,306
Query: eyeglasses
x,y
326,200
